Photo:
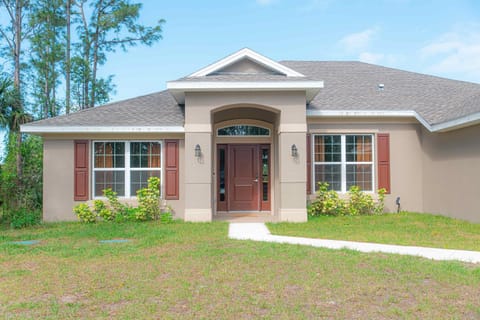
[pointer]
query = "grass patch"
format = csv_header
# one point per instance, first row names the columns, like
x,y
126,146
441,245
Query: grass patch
x,y
404,228
192,271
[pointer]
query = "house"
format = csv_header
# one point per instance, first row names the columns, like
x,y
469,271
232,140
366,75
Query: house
x,y
249,134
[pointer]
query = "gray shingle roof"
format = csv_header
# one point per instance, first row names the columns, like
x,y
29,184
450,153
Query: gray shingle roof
x,y
156,109
350,85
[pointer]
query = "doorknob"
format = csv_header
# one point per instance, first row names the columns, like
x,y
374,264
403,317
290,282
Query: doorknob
x,y
255,180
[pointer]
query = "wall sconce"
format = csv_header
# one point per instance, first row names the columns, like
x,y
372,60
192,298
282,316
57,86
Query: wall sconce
x,y
198,151
294,151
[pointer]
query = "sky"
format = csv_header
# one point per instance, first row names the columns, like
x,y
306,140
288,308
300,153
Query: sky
x,y
435,37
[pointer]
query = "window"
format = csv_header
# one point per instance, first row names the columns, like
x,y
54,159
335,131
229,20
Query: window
x,y
343,161
125,166
243,130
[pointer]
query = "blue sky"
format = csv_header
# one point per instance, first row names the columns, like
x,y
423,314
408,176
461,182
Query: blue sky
x,y
435,37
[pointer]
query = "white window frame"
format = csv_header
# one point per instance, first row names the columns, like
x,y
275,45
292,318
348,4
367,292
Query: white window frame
x,y
127,169
343,163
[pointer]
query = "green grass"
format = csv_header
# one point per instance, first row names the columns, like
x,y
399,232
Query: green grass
x,y
192,271
404,228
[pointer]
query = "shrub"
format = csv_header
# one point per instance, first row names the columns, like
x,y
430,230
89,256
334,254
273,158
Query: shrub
x,y
22,218
102,211
116,208
149,200
327,202
84,213
148,208
380,206
359,203
166,216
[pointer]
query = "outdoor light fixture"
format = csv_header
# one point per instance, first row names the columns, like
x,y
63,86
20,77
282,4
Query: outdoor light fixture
x,y
294,151
198,151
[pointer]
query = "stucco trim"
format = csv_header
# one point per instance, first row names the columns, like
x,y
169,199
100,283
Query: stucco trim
x,y
198,127
100,129
292,127
178,88
246,53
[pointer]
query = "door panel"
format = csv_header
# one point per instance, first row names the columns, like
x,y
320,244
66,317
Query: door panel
x,y
243,178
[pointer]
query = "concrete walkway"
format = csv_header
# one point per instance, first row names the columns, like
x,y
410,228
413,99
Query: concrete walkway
x,y
260,232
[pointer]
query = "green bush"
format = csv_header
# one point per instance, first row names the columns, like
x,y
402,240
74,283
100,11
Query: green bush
x,y
166,216
22,218
359,203
149,200
101,210
84,213
116,207
327,202
148,208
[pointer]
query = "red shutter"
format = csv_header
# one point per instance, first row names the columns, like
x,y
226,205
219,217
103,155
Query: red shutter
x,y
80,170
383,145
171,170
309,164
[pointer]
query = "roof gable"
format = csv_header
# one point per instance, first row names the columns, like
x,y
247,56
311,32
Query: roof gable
x,y
256,62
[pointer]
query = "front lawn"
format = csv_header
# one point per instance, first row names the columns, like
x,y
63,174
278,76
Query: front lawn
x,y
405,228
192,271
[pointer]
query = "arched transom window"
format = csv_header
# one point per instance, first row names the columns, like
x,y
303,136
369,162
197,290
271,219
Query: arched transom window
x,y
243,131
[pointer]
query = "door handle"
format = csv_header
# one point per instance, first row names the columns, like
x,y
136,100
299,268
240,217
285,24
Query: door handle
x,y
255,180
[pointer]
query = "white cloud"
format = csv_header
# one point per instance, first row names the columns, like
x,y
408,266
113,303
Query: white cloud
x,y
358,41
456,52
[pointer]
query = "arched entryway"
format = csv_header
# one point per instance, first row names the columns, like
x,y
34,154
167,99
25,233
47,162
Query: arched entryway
x,y
244,160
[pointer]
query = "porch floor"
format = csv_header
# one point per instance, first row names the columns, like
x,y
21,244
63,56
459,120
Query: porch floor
x,y
245,217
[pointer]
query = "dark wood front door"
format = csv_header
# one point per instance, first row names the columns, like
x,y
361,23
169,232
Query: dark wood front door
x,y
243,177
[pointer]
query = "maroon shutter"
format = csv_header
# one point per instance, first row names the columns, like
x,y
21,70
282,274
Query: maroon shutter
x,y
81,170
383,146
309,164
171,170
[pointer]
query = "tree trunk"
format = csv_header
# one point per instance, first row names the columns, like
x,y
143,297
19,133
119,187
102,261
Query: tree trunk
x,y
17,80
96,36
67,62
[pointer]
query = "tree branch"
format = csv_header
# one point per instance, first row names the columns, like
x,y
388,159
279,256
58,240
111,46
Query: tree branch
x,y
10,44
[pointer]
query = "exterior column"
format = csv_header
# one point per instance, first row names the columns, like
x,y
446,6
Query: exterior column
x,y
292,173
198,175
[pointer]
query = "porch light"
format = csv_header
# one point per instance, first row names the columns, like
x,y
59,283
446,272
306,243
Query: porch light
x,y
198,151
294,151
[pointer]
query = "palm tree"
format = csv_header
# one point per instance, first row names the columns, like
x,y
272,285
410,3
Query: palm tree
x,y
12,117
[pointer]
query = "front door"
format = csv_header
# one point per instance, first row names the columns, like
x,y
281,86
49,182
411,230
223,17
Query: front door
x,y
243,177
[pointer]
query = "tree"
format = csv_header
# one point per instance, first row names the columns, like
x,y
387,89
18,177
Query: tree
x,y
47,53
14,35
68,37
112,24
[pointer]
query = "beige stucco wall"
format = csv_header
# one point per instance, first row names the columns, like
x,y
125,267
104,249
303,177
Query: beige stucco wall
x,y
451,168
286,112
406,155
245,66
58,169
58,180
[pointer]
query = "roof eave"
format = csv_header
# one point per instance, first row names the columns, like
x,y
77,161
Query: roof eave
x,y
100,129
445,126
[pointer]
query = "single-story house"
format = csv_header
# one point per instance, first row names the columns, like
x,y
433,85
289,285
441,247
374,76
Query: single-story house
x,y
249,134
